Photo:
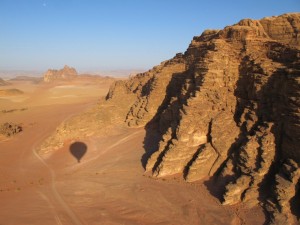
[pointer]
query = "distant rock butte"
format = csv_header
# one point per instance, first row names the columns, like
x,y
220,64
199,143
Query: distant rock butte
x,y
228,109
67,73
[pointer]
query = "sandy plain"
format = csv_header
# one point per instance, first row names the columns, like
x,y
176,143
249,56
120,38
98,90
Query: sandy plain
x,y
107,186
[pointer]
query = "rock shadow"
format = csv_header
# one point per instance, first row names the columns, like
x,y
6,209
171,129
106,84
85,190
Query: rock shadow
x,y
294,202
216,187
78,150
167,114
150,144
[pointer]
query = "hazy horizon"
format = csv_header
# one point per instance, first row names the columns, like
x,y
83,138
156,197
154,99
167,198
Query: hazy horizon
x,y
113,35
8,74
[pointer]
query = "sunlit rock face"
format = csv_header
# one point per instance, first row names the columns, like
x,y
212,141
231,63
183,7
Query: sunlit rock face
x,y
228,109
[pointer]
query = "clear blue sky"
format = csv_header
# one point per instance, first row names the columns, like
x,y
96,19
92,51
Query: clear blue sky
x,y
114,34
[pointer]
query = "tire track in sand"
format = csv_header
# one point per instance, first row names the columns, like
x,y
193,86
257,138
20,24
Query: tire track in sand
x,y
59,199
57,196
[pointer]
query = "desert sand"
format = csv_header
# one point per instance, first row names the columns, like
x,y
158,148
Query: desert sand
x,y
107,186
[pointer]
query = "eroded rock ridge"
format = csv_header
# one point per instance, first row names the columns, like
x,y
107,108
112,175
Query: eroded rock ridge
x,y
228,109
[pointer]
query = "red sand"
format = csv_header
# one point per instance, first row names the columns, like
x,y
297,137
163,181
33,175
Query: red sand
x,y
108,186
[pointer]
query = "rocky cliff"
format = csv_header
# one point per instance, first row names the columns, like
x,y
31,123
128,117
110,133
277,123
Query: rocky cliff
x,y
228,110
66,73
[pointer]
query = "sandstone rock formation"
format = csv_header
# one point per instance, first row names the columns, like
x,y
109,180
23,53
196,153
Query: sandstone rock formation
x,y
228,109
66,73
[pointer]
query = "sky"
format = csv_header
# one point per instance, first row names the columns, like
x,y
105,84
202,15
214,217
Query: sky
x,y
93,35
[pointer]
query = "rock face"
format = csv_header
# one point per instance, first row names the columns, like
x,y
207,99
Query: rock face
x,y
67,73
229,109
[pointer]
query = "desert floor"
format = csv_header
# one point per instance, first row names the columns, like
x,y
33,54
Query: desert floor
x,y
107,186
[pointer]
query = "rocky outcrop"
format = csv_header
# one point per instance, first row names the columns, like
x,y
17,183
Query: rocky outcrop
x,y
9,129
285,202
67,73
228,109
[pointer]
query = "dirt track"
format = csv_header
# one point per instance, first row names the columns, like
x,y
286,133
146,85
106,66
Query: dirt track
x,y
108,186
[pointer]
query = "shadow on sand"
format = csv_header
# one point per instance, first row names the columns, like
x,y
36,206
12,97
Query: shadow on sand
x,y
78,150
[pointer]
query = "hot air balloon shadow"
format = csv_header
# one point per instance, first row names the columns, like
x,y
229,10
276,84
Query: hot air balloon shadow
x,y
78,149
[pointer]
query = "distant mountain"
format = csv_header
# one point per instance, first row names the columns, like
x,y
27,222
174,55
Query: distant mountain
x,y
67,73
28,78
117,73
9,74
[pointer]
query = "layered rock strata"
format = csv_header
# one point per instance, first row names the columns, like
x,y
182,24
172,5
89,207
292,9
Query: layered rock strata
x,y
228,108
